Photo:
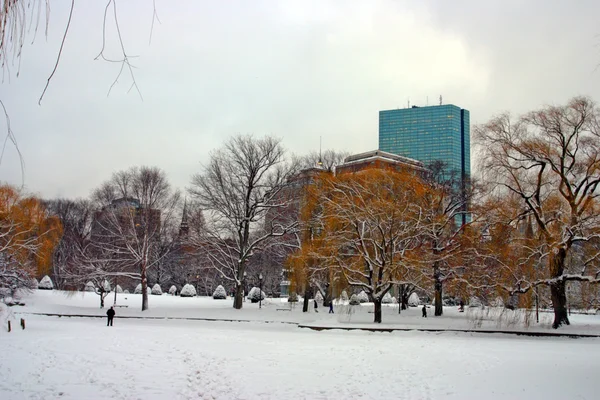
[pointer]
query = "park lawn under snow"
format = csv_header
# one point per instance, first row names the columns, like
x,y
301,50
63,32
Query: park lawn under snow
x,y
274,310
81,358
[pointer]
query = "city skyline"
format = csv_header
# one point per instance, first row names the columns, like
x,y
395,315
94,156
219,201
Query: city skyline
x,y
294,70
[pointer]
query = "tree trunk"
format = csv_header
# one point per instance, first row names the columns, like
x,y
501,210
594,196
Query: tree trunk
x,y
306,297
437,278
144,286
238,300
377,304
557,290
404,301
101,299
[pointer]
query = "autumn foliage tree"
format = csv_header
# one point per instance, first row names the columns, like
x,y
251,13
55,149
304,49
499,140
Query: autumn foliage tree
x,y
28,236
549,160
368,229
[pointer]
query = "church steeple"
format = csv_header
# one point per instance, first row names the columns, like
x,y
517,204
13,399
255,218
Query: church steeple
x,y
184,228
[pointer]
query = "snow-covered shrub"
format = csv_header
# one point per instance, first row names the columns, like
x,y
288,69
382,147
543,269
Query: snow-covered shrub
x,y
138,289
414,300
106,286
497,302
344,296
363,297
219,293
89,287
173,290
188,291
119,289
255,295
34,283
293,298
319,297
475,301
354,301
126,291
387,299
156,290
46,283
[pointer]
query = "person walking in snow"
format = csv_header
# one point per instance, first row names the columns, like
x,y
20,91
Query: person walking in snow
x,y
331,307
424,311
110,314
316,306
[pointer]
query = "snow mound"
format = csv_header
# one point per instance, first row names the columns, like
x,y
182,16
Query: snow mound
x,y
293,298
354,301
188,291
362,297
156,290
414,300
119,289
173,290
387,298
89,287
319,297
46,283
344,296
219,293
256,294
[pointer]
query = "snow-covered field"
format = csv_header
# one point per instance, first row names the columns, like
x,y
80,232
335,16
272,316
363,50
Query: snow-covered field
x,y
81,358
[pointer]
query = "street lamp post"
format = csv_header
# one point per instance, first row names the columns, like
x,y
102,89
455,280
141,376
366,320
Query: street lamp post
x,y
260,277
197,284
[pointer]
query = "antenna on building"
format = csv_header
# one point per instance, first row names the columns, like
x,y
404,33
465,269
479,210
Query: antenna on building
x,y
440,99
320,162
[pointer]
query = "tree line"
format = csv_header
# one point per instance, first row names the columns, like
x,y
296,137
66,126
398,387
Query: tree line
x,y
531,228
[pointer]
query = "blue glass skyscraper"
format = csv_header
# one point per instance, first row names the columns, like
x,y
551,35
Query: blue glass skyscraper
x,y
427,134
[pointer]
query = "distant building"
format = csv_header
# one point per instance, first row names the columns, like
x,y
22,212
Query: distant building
x,y
379,159
428,134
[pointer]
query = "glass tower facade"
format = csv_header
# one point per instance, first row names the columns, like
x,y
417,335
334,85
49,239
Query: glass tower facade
x,y
427,134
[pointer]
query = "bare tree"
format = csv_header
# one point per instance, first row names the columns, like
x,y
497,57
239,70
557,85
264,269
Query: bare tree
x,y
549,160
237,188
127,231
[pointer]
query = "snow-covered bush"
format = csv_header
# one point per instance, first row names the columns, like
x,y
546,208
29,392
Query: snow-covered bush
x,y
173,290
293,298
319,297
497,302
126,291
362,297
46,283
475,301
354,301
156,290
387,298
89,287
344,296
414,300
106,286
219,293
255,295
34,283
188,291
138,289
119,289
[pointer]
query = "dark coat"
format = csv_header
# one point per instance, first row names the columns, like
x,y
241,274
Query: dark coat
x,y
110,313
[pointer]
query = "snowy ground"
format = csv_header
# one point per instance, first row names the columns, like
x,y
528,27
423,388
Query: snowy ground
x,y
81,358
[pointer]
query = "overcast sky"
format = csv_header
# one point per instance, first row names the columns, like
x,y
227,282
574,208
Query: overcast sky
x,y
297,70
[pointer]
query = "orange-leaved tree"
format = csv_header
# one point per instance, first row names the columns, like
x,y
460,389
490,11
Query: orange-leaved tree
x,y
28,236
368,229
